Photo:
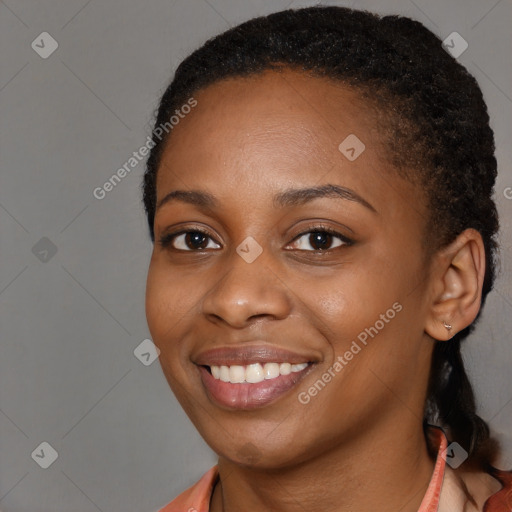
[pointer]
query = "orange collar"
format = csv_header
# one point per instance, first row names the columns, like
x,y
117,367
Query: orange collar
x,y
430,502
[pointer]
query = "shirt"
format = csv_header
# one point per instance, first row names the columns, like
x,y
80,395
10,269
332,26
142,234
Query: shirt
x,y
445,493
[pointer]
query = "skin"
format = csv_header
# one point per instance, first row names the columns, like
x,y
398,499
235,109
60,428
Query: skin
x,y
358,444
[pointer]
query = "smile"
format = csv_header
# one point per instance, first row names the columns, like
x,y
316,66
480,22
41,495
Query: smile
x,y
254,373
251,386
249,376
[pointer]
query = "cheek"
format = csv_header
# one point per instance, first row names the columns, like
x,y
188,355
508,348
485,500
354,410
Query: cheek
x,y
156,302
368,318
331,305
165,304
349,302
381,361
164,312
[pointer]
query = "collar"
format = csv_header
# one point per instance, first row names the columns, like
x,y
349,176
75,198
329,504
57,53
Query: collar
x,y
432,498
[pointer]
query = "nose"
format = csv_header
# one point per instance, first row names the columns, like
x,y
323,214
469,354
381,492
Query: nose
x,y
247,292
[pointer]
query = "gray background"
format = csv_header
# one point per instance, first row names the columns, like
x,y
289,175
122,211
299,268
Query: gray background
x,y
70,321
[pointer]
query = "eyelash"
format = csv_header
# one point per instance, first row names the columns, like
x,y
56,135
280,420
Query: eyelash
x,y
166,240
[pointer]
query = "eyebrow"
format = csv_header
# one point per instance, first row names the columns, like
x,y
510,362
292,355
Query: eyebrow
x,y
288,198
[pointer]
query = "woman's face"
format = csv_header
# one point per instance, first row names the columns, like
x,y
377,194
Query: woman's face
x,y
328,328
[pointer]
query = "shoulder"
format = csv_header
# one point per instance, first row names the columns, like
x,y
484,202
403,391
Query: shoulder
x,y
502,500
488,492
197,497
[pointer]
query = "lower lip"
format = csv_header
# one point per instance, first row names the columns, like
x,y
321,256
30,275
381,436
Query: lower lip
x,y
245,395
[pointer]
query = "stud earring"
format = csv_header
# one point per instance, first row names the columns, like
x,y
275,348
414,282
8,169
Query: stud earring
x,y
448,326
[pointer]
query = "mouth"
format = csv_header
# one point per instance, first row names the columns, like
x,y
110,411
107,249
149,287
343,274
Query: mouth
x,y
250,377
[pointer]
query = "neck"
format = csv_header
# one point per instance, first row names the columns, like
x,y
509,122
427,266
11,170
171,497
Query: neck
x,y
385,468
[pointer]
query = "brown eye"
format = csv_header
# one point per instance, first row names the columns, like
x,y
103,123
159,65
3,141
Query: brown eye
x,y
188,241
320,239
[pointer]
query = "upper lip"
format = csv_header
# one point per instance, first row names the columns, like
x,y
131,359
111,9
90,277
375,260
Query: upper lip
x,y
247,354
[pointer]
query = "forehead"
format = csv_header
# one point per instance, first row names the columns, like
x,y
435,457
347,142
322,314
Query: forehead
x,y
281,127
273,108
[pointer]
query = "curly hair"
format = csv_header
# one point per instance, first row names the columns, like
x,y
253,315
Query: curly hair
x,y
436,127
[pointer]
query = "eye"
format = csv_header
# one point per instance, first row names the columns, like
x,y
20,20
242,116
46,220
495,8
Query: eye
x,y
193,240
319,237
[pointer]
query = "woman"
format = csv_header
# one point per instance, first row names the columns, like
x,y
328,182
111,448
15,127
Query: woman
x,y
324,240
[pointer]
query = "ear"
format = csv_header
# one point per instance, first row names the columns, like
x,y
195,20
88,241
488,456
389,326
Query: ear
x,y
457,276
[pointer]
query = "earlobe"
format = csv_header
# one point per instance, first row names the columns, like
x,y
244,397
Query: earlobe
x,y
457,279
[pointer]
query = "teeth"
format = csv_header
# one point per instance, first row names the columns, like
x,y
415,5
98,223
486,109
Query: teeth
x,y
254,373
224,373
216,371
236,374
271,370
285,368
